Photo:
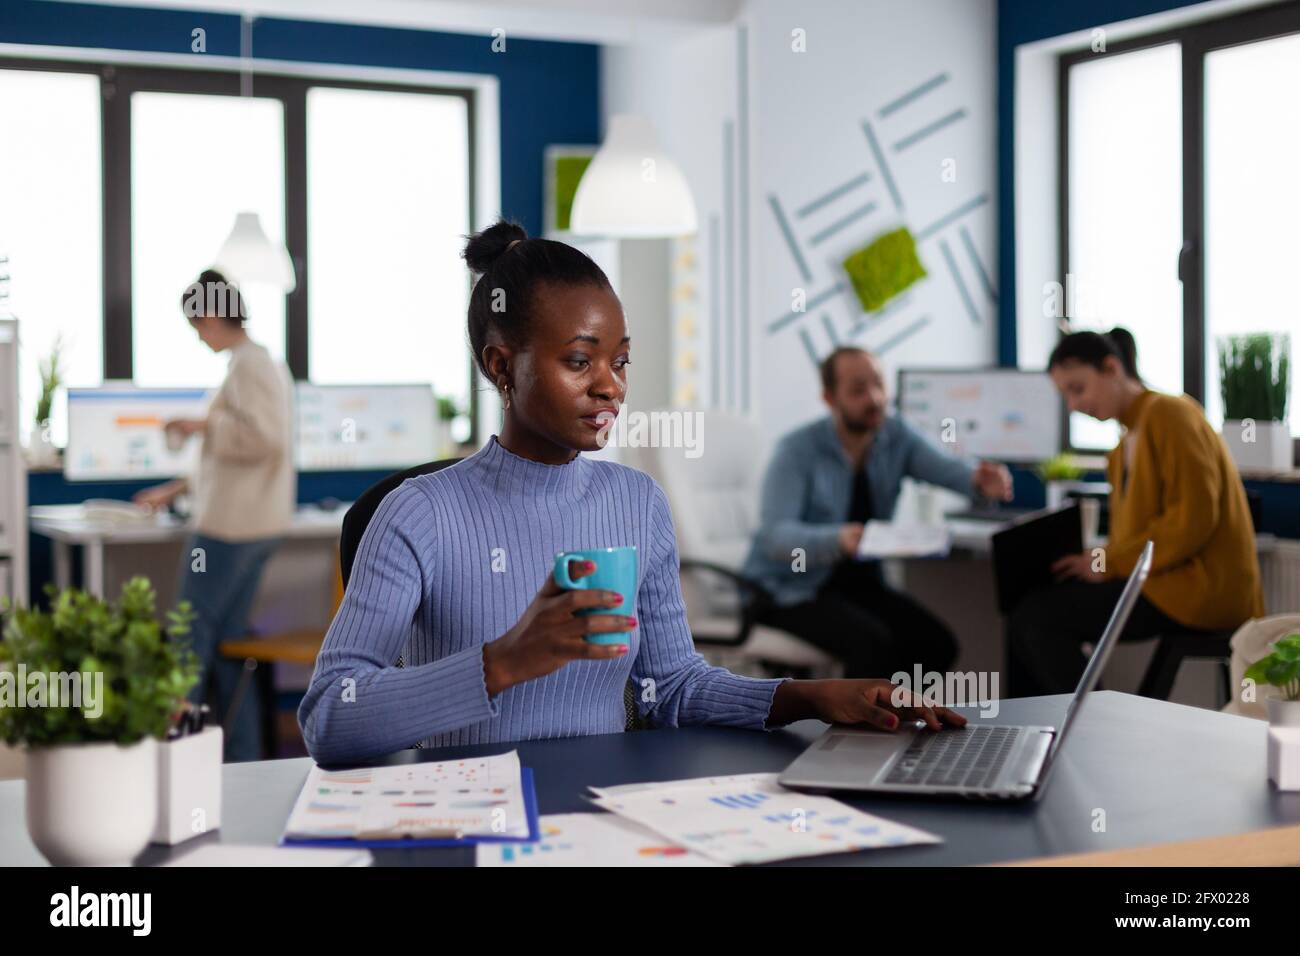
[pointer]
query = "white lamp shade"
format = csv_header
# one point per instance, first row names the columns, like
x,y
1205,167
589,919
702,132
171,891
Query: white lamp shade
x,y
631,189
248,256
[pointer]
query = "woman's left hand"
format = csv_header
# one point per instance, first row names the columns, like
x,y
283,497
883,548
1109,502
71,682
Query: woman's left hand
x,y
878,703
1078,566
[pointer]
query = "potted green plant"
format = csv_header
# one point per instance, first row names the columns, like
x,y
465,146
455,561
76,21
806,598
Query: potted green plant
x,y
1254,375
1281,671
1059,474
88,687
41,450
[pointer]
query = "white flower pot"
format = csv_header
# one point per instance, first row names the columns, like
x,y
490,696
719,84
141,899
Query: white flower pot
x,y
92,804
41,452
1263,446
1282,712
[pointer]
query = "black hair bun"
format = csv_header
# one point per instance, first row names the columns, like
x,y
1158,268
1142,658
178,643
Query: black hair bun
x,y
485,248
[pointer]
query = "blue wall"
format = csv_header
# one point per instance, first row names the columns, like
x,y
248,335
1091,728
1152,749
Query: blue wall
x,y
549,91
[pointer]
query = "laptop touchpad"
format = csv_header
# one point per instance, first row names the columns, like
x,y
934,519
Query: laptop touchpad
x,y
861,750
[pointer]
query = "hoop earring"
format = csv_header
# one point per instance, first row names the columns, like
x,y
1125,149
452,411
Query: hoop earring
x,y
507,391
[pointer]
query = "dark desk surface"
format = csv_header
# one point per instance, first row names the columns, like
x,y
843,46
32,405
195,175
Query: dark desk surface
x,y
1161,772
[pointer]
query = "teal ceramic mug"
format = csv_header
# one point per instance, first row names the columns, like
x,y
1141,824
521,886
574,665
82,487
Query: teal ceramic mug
x,y
615,571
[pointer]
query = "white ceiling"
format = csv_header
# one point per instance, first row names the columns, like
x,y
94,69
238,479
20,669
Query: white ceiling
x,y
593,21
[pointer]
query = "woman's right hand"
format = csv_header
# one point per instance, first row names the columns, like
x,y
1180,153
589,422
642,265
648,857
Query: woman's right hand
x,y
158,497
550,634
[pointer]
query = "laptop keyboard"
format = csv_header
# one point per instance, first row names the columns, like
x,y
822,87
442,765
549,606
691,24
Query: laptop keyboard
x,y
948,758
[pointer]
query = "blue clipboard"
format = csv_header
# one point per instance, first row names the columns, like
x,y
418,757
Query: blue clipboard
x,y
402,843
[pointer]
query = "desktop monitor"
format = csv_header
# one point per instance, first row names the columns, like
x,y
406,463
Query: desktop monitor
x,y
1003,414
364,427
116,432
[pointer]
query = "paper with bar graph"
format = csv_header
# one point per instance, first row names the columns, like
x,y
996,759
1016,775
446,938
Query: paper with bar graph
x,y
750,818
477,796
590,839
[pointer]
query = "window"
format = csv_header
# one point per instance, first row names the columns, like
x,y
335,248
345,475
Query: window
x,y
1125,216
384,247
195,161
130,178
1179,194
50,226
1252,201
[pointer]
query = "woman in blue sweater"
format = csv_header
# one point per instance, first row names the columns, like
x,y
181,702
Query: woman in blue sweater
x,y
453,572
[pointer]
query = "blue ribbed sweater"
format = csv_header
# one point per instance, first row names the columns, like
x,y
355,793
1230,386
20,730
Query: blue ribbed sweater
x,y
451,560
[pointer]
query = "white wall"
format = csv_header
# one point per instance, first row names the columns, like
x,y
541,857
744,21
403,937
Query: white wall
x,y
791,129
809,111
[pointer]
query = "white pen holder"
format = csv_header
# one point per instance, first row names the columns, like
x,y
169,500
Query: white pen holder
x,y
189,786
1284,757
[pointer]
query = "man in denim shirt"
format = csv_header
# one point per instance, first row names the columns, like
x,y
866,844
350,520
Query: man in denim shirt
x,y
825,481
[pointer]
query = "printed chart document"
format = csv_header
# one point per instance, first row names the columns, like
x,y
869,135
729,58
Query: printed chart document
x,y
750,818
450,799
590,839
884,539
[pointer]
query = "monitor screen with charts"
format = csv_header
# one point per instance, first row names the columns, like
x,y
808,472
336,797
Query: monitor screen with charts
x,y
116,433
1002,414
357,427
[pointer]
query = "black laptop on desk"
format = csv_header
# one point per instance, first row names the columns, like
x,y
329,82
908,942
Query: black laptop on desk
x,y
1023,554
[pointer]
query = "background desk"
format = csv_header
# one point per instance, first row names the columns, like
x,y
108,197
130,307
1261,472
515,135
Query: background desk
x,y
66,525
1161,772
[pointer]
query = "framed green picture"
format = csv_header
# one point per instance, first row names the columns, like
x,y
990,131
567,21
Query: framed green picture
x,y
564,166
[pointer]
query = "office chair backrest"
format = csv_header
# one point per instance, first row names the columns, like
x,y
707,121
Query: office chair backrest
x,y
364,508
714,497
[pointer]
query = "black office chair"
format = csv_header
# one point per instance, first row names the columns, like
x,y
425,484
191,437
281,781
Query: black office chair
x,y
1174,647
358,518
364,508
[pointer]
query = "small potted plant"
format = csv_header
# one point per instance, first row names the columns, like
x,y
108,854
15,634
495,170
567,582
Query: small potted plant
x,y
87,687
1281,671
42,452
1255,380
1059,475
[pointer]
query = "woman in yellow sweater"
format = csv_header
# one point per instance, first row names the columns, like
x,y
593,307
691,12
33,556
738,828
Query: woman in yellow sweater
x,y
1172,482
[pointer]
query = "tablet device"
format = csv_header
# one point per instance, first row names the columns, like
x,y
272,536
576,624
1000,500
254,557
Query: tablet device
x,y
1023,554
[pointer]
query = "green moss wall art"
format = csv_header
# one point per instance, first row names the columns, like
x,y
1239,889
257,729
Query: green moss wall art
x,y
883,268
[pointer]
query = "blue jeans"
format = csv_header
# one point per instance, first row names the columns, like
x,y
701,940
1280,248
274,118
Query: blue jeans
x,y
220,583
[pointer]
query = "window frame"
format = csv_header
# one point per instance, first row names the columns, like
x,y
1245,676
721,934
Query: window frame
x,y
117,82
1196,39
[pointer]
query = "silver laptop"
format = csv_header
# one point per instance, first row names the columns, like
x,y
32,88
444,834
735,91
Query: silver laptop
x,y
983,761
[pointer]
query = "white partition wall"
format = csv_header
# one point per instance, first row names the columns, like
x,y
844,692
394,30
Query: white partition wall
x,y
13,473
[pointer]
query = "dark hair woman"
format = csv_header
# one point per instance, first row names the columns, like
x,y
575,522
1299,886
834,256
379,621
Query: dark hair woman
x,y
454,570
1172,482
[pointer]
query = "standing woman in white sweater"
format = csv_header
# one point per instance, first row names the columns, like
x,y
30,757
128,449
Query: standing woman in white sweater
x,y
244,491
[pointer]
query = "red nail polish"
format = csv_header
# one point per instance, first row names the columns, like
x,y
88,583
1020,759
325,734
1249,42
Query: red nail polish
x,y
589,565
893,722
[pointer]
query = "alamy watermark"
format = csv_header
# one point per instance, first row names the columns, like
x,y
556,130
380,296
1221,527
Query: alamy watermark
x,y
675,429
951,689
80,690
